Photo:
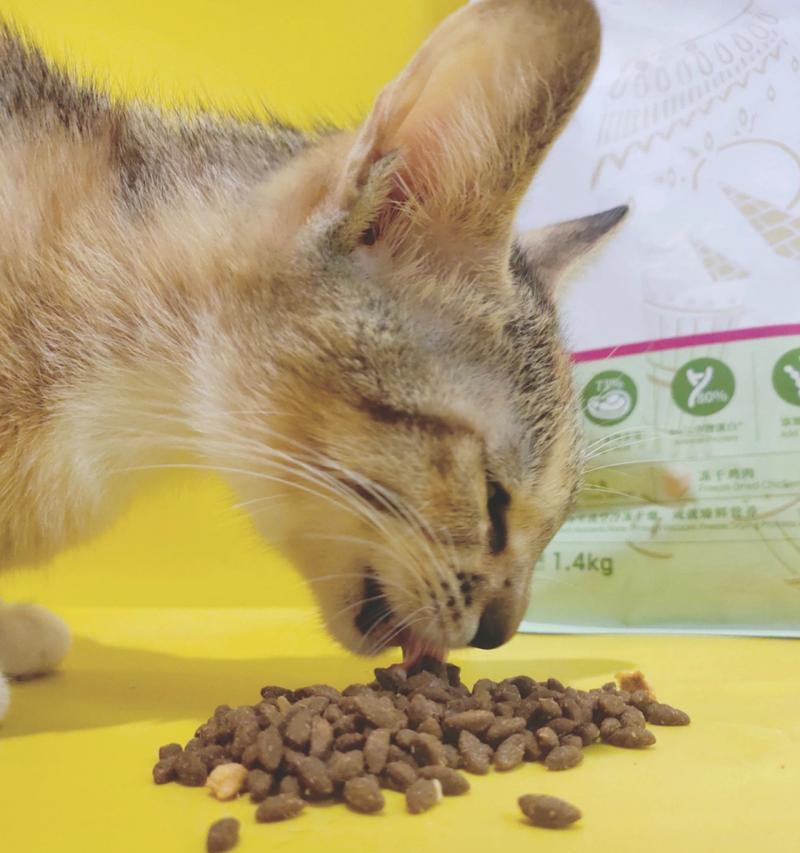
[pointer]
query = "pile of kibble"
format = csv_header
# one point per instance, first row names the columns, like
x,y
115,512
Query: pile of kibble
x,y
409,732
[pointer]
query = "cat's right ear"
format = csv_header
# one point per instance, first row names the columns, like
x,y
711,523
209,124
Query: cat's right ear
x,y
451,145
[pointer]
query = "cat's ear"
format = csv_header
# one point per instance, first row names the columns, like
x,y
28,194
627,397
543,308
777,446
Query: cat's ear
x,y
467,123
552,253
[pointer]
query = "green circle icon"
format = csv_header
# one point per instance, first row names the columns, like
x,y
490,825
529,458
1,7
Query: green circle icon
x,y
703,386
609,397
786,377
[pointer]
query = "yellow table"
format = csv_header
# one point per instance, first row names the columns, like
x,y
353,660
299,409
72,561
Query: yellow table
x,y
179,609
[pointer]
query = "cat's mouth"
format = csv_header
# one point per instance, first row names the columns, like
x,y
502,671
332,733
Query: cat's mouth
x,y
377,622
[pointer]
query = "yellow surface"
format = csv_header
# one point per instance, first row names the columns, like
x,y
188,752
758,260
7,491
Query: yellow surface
x,y
179,608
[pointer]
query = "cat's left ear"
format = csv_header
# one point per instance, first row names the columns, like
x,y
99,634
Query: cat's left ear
x,y
554,252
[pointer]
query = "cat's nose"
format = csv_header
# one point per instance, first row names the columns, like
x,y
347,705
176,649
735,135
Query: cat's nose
x,y
493,627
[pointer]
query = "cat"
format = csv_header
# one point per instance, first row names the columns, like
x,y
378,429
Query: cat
x,y
342,323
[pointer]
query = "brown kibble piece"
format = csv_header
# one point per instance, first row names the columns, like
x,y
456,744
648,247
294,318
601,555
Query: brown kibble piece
x,y
632,717
321,739
632,737
392,678
400,775
169,750
259,784
548,812
270,749
547,738
376,750
222,835
364,794
660,714
472,721
343,766
588,733
533,751
423,795
313,775
298,729
510,752
610,704
427,749
378,710
475,755
430,726
563,758
549,708
279,807
164,770
226,781
290,785
502,727
562,725
609,726
190,770
351,740
452,757
453,783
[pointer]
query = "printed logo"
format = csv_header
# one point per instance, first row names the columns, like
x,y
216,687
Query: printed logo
x,y
703,386
786,377
609,398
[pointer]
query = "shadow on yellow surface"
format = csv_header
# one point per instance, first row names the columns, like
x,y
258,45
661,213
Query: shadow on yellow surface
x,y
137,685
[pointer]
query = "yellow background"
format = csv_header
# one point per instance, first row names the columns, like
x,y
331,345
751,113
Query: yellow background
x,y
179,608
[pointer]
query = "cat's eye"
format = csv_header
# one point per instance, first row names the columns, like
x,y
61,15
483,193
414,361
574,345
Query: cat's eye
x,y
497,501
369,236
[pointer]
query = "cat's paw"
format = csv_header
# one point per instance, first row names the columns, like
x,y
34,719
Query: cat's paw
x,y
32,640
5,697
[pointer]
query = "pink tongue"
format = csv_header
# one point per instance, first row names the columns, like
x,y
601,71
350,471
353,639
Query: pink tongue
x,y
414,649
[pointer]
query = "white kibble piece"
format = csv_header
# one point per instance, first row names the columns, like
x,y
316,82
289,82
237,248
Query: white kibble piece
x,y
226,781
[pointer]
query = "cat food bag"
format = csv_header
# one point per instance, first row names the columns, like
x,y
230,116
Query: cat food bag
x,y
685,327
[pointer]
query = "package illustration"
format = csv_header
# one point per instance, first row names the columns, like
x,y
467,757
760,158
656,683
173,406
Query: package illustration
x,y
685,327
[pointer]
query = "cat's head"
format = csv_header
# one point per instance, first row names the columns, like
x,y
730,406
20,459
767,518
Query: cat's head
x,y
413,422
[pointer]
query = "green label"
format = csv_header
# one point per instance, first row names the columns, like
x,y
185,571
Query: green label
x,y
786,377
609,398
703,386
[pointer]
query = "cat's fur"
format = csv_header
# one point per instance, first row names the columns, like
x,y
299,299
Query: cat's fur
x,y
340,323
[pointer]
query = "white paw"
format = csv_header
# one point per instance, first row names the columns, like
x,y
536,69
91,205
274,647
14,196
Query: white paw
x,y
32,640
5,697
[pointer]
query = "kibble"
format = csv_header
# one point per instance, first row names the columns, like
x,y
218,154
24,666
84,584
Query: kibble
x,y
423,795
510,753
376,750
363,794
313,776
563,757
548,812
222,835
259,784
280,807
453,783
660,714
632,737
190,770
410,732
344,766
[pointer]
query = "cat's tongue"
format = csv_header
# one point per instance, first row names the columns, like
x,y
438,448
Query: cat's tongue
x,y
414,649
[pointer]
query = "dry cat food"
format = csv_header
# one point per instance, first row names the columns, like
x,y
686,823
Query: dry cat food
x,y
223,835
548,812
412,732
